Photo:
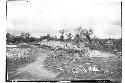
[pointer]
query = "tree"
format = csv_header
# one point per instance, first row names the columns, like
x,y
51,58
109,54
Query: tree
x,y
48,37
62,31
32,39
62,38
8,35
62,34
25,37
8,38
77,38
78,30
84,33
69,36
55,37
28,35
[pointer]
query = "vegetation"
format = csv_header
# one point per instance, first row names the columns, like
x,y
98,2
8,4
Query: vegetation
x,y
70,56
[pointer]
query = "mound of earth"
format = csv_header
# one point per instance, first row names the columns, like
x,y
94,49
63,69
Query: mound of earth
x,y
75,66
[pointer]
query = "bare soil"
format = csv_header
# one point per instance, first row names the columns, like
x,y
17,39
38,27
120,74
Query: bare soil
x,y
108,64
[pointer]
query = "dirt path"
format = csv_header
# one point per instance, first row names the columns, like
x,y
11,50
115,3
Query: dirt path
x,y
35,70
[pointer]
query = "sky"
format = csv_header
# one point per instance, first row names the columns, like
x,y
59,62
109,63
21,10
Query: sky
x,y
40,17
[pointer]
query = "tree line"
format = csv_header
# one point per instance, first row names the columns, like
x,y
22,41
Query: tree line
x,y
80,35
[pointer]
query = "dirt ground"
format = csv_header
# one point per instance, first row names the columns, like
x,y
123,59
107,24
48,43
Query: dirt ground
x,y
35,70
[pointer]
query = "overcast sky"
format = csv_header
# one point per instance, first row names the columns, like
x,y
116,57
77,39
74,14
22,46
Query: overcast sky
x,y
49,16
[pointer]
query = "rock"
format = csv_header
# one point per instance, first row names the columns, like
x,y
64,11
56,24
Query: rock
x,y
93,68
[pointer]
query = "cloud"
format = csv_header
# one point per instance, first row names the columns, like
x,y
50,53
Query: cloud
x,y
45,16
116,22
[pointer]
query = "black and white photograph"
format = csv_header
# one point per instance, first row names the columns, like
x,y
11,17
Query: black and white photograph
x,y
63,40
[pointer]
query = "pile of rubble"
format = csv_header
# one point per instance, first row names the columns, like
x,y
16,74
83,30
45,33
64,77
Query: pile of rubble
x,y
68,64
16,53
